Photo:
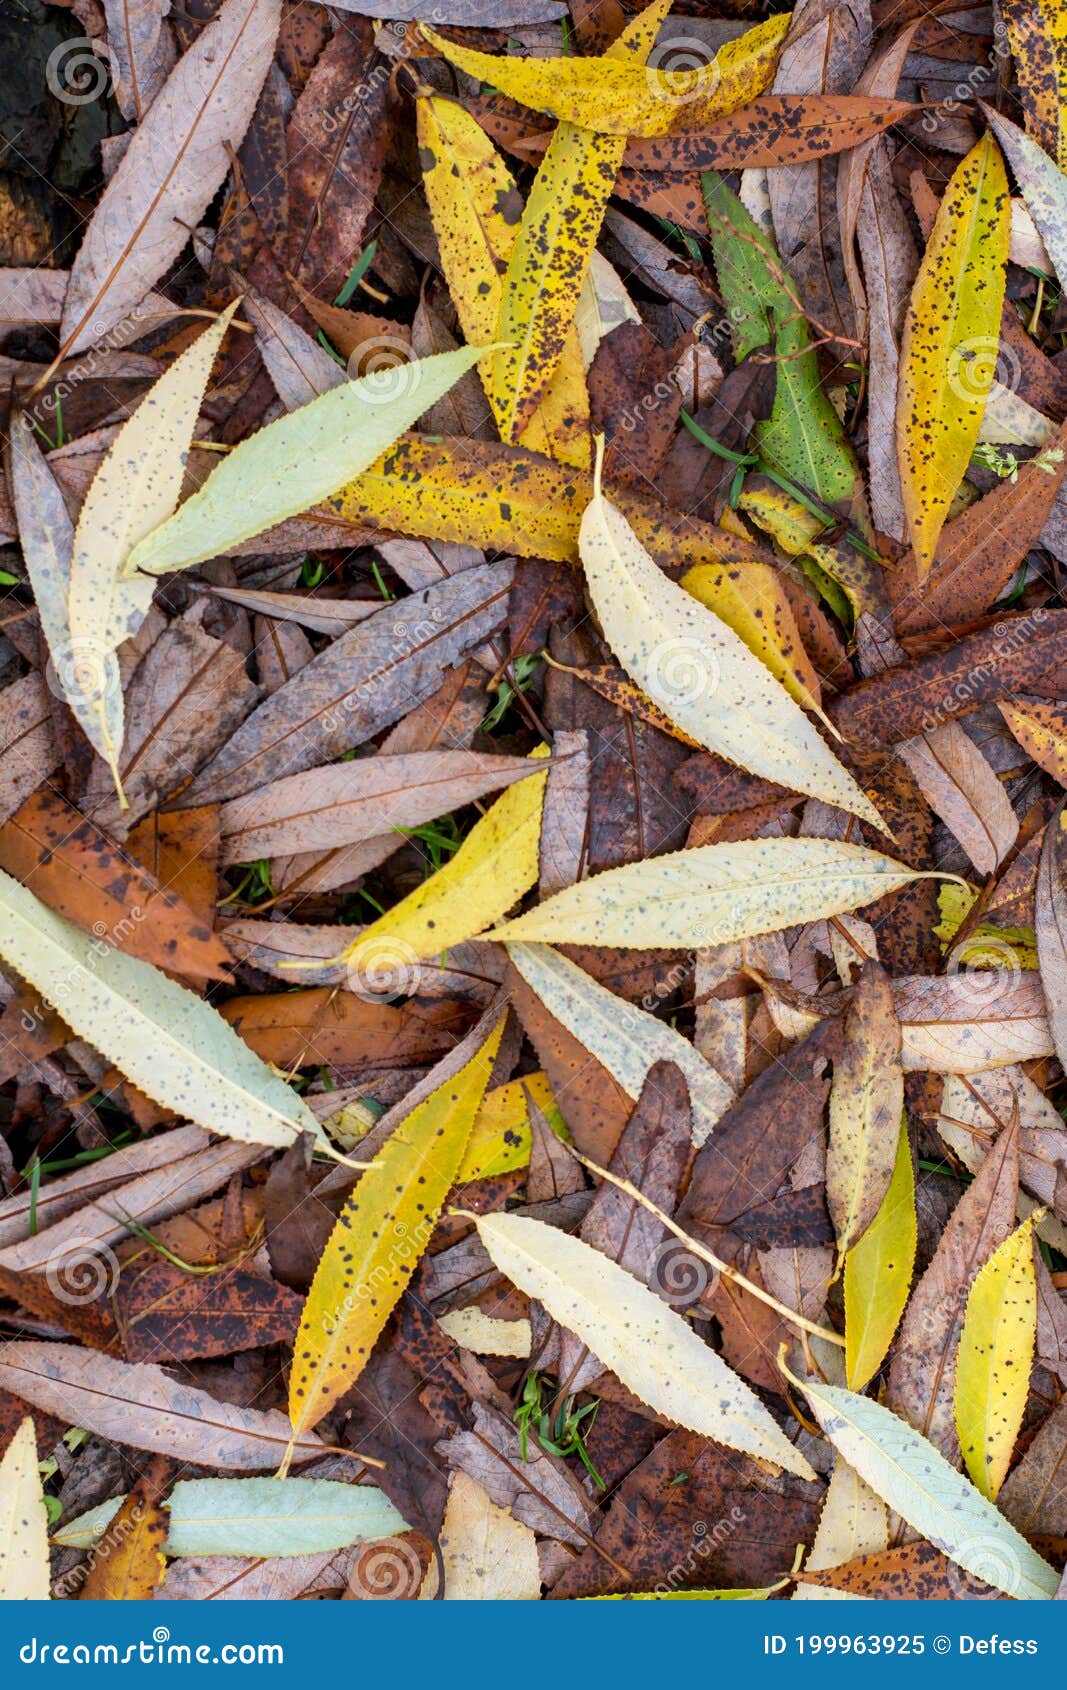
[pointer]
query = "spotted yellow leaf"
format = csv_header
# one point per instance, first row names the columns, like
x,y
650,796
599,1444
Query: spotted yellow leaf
x,y
994,1359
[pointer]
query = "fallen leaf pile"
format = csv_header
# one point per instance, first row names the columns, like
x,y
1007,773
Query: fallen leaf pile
x,y
533,801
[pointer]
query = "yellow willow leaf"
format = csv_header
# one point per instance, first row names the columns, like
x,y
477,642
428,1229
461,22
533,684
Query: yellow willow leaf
x,y
649,1347
135,489
24,1571
711,894
995,1355
497,862
550,257
1040,727
951,336
616,98
796,530
866,1099
699,671
1037,34
878,1272
501,1136
476,209
381,1233
763,618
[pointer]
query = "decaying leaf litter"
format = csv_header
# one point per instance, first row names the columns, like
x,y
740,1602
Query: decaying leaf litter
x,y
533,864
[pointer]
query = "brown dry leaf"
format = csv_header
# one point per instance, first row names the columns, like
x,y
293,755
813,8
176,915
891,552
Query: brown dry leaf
x,y
866,1102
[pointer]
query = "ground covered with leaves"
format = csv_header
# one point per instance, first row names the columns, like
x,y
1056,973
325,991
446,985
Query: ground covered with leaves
x,y
533,869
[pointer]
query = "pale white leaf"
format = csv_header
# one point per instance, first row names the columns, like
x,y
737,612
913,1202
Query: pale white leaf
x,y
24,1572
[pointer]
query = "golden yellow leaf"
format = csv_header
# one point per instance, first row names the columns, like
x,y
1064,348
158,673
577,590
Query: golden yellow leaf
x,y
866,1099
756,608
951,336
1037,34
476,209
380,1235
501,1137
616,98
494,866
994,1359
1040,726
878,1274
550,257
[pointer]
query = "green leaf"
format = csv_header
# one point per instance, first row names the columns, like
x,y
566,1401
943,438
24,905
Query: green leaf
x,y
915,1480
177,1049
303,457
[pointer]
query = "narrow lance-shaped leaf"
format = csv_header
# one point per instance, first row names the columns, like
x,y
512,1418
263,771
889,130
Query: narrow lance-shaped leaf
x,y
619,98
298,460
650,1348
951,336
135,489
994,1359
916,1481
494,866
866,1100
712,894
699,671
1043,185
177,1049
24,1571
550,256
878,1271
380,1235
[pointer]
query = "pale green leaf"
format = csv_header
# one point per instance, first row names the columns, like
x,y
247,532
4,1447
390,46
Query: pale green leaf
x,y
916,1482
878,1274
299,459
175,1047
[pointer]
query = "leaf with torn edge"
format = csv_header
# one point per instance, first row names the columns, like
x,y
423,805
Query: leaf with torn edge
x,y
917,1483
171,170
1043,184
301,458
699,671
24,1569
380,1235
949,349
878,1271
494,866
994,1359
177,1049
624,1038
866,1101
712,894
488,1556
650,1348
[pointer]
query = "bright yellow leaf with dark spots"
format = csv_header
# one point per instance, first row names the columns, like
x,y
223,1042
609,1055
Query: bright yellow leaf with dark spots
x,y
380,1235
951,336
995,1355
616,98
1037,33
501,1138
557,237
476,210
496,863
761,614
878,1272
